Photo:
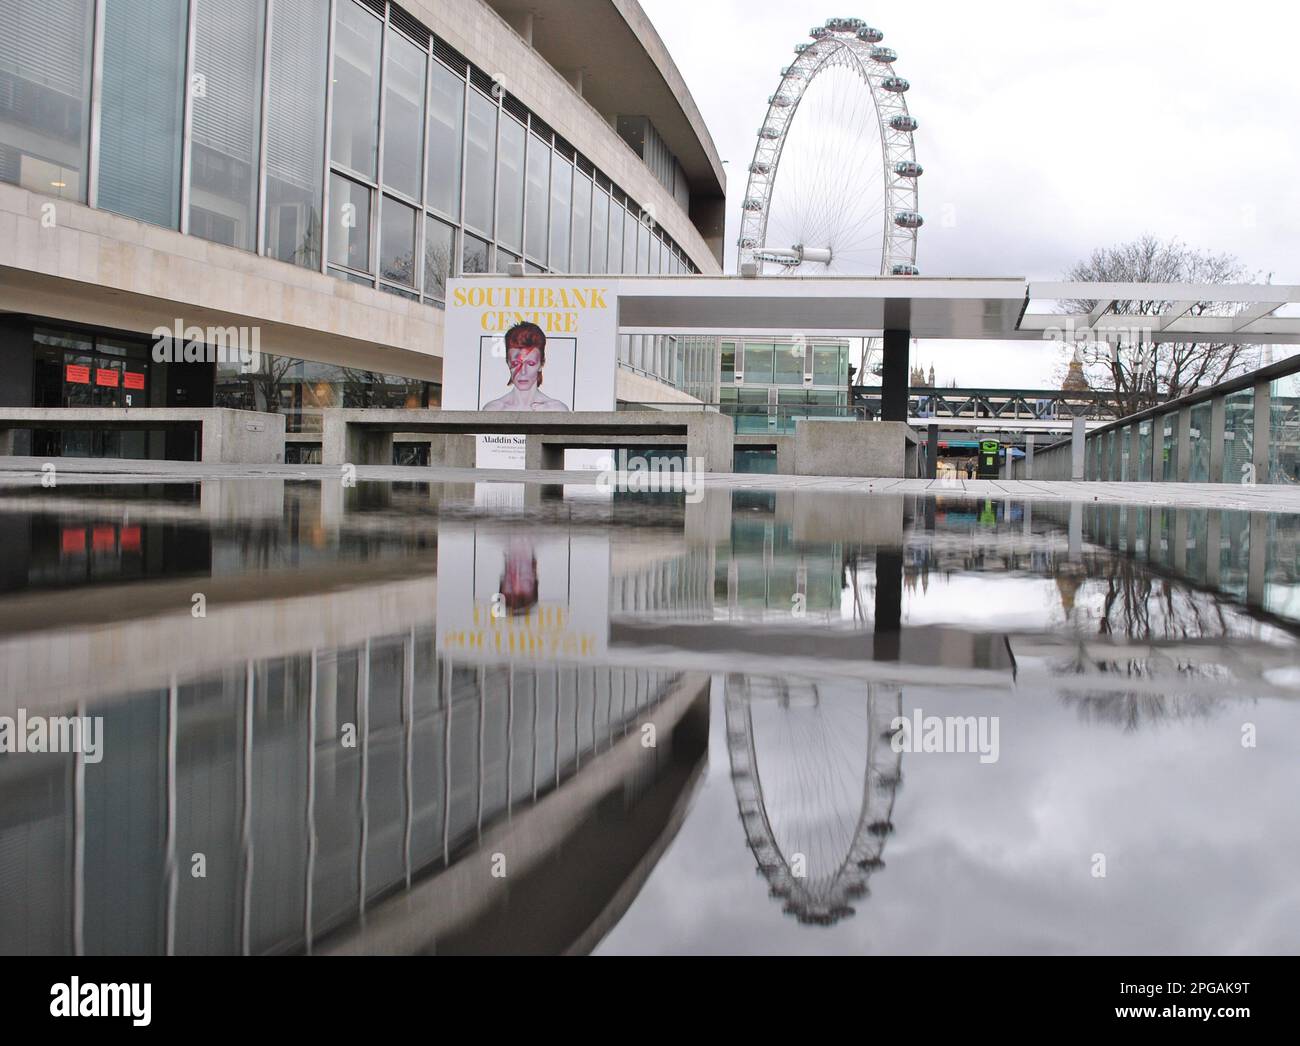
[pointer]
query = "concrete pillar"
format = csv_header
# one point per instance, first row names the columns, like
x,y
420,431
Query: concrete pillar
x,y
1218,427
932,453
1078,448
1263,430
1183,442
1029,456
889,603
895,375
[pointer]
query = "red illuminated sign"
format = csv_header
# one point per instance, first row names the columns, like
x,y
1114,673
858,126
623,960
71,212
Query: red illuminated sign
x,y
74,540
109,379
130,539
103,539
133,380
78,375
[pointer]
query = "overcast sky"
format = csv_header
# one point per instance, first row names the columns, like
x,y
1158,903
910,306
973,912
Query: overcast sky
x,y
1046,129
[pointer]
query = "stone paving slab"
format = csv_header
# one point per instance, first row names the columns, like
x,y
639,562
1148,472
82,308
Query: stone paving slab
x,y
73,472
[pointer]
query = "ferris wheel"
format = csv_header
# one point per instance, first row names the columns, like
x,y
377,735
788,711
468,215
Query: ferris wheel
x,y
833,185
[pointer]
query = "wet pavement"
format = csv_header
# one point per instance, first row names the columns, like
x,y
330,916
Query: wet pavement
x,y
276,715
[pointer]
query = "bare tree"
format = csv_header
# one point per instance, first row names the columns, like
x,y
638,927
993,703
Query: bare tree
x,y
1139,372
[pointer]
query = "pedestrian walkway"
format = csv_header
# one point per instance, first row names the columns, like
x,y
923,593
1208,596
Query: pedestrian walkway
x,y
30,472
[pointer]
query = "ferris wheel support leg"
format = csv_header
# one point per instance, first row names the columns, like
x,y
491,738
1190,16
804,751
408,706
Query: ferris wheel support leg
x,y
895,375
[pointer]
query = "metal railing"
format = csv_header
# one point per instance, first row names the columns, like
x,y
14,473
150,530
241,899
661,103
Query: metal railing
x,y
1244,430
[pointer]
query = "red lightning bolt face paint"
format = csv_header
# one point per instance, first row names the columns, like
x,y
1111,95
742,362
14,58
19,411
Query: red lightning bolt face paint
x,y
525,368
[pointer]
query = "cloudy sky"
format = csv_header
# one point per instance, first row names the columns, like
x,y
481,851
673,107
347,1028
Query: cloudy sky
x,y
1047,129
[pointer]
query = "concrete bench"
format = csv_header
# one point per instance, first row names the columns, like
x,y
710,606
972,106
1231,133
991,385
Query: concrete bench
x,y
225,436
365,437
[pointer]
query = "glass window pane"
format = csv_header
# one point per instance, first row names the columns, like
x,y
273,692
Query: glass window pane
x,y
354,133
481,162
438,240
643,251
1169,447
789,363
581,258
295,119
446,124
599,230
404,115
830,364
539,195
1284,431
504,261
561,215
1238,435
45,53
759,360
615,261
1199,467
476,256
397,242
143,106
728,363
227,121
349,223
630,225
510,189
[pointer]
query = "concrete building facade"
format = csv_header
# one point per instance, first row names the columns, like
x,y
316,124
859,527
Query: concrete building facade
x,y
305,176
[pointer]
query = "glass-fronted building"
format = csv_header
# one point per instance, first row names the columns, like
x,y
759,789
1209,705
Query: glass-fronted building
x,y
770,383
350,138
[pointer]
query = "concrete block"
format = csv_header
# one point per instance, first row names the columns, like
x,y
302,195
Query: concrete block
x,y
864,449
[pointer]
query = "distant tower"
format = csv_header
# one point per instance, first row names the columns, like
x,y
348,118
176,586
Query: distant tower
x,y
1075,380
930,383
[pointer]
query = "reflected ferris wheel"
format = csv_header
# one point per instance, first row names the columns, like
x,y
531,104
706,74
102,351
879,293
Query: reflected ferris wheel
x,y
815,778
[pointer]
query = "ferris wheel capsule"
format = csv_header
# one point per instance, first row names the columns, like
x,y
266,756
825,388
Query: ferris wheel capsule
x,y
753,204
870,34
895,85
908,169
904,270
819,32
908,220
802,48
780,101
886,55
760,168
844,25
904,123
771,134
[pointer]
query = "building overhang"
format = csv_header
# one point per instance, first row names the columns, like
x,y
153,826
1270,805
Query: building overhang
x,y
960,308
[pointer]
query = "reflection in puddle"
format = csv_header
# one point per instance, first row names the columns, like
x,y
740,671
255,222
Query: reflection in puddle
x,y
413,718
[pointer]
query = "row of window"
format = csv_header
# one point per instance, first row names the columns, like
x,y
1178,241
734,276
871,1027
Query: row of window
x,y
434,170
785,363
